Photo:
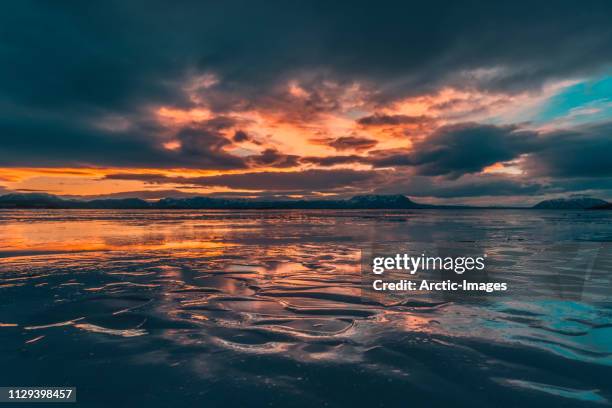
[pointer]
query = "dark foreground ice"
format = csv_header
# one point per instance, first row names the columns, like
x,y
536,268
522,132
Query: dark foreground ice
x,y
250,309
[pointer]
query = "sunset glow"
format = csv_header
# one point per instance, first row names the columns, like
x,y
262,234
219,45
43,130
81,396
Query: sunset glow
x,y
168,128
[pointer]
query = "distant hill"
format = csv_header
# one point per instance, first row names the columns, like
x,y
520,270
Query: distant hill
x,y
383,201
36,200
31,200
571,203
119,203
606,206
359,202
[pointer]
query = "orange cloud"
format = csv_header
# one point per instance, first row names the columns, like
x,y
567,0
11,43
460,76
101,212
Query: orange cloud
x,y
305,119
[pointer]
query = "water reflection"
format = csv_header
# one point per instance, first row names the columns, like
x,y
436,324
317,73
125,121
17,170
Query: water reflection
x,y
270,304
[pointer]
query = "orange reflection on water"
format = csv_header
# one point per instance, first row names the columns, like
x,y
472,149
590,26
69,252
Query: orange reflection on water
x,y
24,238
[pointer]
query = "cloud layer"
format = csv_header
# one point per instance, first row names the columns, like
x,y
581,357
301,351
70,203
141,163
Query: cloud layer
x,y
310,98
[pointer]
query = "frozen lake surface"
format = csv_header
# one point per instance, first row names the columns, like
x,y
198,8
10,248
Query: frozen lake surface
x,y
265,308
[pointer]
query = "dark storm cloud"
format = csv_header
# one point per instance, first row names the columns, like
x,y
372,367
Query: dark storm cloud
x,y
409,48
584,151
57,143
219,123
557,162
491,185
352,143
485,186
463,148
379,119
115,55
272,158
305,181
203,146
242,136
150,178
580,153
309,180
143,194
466,186
41,142
327,161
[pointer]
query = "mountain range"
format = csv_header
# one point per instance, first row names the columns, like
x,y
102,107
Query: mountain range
x,y
397,201
571,203
42,200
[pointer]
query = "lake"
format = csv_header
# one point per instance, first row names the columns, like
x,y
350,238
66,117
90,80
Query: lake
x,y
267,308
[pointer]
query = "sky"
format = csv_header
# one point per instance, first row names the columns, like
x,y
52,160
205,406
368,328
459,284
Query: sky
x,y
446,102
